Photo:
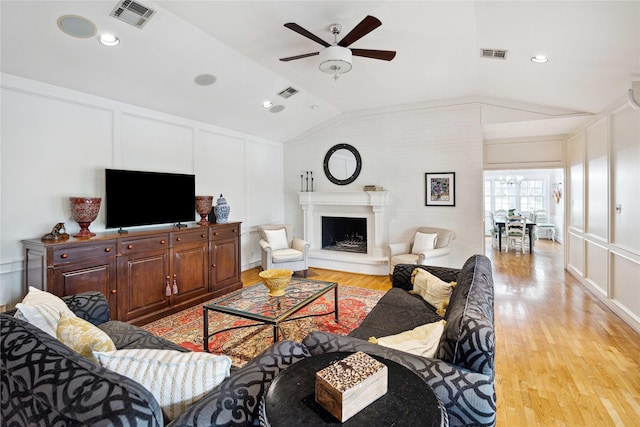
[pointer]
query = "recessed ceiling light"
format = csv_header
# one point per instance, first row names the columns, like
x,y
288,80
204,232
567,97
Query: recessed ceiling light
x,y
267,104
205,79
539,59
109,40
276,108
315,106
77,26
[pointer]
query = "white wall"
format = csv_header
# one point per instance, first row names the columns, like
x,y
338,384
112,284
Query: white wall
x,y
397,149
56,143
603,242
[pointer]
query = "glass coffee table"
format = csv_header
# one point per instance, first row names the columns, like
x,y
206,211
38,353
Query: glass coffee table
x,y
255,303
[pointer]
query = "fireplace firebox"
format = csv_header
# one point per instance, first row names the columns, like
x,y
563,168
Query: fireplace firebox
x,y
344,234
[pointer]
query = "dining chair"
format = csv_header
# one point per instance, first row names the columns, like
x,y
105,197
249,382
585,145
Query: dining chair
x,y
543,226
516,232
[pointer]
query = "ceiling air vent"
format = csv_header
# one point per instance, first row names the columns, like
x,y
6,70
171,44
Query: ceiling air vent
x,y
494,53
132,13
288,92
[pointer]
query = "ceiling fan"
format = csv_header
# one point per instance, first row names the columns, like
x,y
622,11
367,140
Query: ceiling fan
x,y
336,58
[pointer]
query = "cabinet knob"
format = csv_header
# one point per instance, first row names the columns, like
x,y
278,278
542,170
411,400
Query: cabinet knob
x,y
129,246
203,235
213,265
107,249
162,242
234,230
64,256
179,239
215,233
113,291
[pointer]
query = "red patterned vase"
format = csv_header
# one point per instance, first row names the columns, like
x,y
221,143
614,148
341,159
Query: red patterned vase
x,y
84,211
203,207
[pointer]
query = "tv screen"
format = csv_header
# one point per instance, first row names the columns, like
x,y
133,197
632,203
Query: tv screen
x,y
135,198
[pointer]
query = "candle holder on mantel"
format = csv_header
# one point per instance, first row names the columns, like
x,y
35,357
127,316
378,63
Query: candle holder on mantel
x,y
84,210
203,207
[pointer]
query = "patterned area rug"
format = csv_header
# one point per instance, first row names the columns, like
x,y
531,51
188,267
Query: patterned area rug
x,y
241,345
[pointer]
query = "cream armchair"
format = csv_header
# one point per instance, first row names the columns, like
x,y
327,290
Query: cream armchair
x,y
428,246
281,249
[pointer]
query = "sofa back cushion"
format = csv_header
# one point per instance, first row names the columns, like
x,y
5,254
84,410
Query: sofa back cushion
x,y
468,339
44,382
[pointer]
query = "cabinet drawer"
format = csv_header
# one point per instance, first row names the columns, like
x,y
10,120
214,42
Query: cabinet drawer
x,y
189,237
224,232
64,255
138,245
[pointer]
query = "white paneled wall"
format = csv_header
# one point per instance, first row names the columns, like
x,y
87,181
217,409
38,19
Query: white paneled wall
x,y
397,149
604,210
56,143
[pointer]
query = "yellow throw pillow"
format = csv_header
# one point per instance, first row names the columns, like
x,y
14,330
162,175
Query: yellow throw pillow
x,y
176,379
421,341
83,337
433,290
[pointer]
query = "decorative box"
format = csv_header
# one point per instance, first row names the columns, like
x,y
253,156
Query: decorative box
x,y
347,386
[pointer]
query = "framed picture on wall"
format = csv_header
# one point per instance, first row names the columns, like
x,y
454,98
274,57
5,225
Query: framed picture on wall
x,y
440,189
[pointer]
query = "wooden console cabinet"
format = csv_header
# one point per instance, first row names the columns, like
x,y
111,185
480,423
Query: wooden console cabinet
x,y
145,275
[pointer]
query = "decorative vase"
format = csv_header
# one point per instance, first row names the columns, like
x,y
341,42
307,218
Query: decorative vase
x,y
203,207
84,210
221,209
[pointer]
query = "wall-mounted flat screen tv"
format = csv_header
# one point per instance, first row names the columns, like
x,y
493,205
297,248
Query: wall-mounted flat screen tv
x,y
136,198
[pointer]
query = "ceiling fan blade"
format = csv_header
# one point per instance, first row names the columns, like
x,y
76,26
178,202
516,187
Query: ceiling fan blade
x,y
365,26
386,55
298,29
306,55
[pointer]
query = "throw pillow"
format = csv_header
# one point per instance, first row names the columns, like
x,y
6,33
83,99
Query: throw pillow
x,y
176,379
421,341
277,239
433,290
43,310
83,337
423,242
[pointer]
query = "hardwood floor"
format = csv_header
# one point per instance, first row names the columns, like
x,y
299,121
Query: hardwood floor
x,y
562,357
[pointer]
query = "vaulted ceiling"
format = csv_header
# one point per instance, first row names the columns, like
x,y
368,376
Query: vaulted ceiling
x,y
593,50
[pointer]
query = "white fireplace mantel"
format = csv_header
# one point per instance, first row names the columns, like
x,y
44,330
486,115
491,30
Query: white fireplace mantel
x,y
369,204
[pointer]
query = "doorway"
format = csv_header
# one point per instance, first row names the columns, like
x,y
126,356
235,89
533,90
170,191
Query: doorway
x,y
526,191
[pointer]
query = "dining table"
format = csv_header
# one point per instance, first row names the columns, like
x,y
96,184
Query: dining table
x,y
500,224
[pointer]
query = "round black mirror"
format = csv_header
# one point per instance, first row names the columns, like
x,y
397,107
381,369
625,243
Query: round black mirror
x,y
342,164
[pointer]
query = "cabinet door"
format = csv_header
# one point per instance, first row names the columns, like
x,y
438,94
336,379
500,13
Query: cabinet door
x,y
225,263
142,280
93,274
190,270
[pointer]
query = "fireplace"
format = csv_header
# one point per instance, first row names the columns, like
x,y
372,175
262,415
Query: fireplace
x,y
344,234
369,207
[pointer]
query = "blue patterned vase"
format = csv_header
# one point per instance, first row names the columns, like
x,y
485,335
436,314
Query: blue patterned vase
x,y
221,210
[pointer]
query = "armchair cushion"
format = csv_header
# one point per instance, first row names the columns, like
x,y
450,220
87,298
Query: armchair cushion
x,y
423,242
277,239
286,255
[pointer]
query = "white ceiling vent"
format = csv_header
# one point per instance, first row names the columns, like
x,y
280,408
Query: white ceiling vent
x,y
132,13
493,53
288,92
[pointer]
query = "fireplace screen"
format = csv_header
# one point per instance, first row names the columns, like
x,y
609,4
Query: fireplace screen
x,y
344,234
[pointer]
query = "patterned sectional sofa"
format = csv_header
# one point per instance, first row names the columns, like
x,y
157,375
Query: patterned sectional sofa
x,y
43,382
462,374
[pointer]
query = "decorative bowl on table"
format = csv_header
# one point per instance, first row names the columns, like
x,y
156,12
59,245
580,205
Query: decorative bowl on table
x,y
276,280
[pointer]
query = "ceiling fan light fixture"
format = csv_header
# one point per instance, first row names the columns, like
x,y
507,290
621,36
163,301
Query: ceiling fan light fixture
x,y
335,60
